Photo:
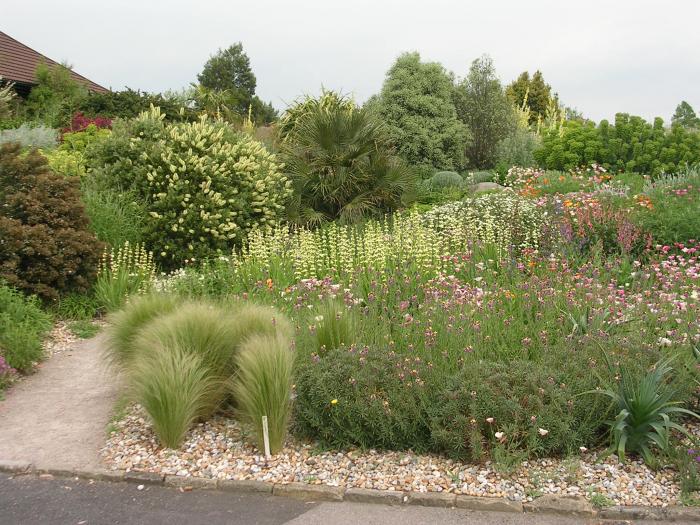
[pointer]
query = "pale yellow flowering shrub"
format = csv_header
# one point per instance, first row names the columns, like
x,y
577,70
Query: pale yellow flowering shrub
x,y
204,185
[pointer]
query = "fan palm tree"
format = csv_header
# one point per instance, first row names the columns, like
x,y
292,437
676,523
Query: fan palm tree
x,y
342,167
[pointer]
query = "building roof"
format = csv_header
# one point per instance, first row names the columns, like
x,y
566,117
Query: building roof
x,y
18,63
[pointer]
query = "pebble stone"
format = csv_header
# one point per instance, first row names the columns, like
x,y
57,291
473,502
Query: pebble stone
x,y
218,450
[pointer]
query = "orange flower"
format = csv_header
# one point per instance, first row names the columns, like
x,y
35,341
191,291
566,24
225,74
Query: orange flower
x,y
269,284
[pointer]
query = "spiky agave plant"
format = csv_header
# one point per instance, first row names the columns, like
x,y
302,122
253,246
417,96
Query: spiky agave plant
x,y
342,167
646,408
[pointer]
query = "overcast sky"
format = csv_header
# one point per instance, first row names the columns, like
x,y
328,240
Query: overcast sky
x,y
601,56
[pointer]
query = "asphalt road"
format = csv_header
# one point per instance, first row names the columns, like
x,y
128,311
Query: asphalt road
x,y
28,500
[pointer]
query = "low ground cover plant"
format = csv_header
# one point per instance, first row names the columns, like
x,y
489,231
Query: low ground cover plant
x,y
23,325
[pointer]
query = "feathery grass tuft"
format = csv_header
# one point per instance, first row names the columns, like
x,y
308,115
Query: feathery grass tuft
x,y
263,387
125,326
335,326
176,389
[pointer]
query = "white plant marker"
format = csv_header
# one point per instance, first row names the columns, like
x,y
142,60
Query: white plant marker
x,y
266,437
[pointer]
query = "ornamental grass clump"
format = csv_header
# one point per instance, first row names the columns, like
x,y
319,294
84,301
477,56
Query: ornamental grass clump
x,y
126,324
334,326
182,360
199,328
263,387
176,388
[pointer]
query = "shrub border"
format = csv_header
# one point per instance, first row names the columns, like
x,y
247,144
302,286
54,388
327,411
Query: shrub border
x,y
548,504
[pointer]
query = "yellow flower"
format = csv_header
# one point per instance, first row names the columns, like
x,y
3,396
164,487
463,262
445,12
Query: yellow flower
x,y
334,401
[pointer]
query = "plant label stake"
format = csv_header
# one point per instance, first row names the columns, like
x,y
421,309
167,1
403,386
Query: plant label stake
x,y
266,437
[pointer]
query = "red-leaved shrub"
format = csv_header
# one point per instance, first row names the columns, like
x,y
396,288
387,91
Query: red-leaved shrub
x,y
80,122
46,247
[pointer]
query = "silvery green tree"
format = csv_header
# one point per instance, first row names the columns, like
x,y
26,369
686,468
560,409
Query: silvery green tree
x,y
483,106
416,103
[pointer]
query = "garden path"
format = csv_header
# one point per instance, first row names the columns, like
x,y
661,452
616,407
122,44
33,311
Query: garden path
x,y
57,418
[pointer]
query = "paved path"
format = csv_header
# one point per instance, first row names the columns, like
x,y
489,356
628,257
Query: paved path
x,y
58,417
27,499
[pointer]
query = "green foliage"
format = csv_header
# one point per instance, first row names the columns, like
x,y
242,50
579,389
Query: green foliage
x,y
56,96
534,404
125,325
229,70
47,248
674,215
384,400
646,407
416,102
77,306
203,186
631,144
263,387
484,108
335,326
328,102
353,397
533,93
69,158
685,116
517,149
116,217
124,271
342,168
23,326
446,179
130,103
176,389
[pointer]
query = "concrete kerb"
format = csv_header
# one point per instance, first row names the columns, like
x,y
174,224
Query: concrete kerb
x,y
561,506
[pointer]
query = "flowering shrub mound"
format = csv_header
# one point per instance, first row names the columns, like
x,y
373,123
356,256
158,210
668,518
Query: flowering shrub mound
x,y
393,401
46,247
204,187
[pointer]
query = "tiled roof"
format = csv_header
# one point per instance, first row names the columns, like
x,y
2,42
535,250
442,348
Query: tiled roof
x,y
18,63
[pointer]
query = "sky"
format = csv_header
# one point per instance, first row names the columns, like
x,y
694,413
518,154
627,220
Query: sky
x,y
601,57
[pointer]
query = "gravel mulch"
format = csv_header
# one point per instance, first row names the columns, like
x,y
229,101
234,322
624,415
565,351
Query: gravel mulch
x,y
59,339
217,449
